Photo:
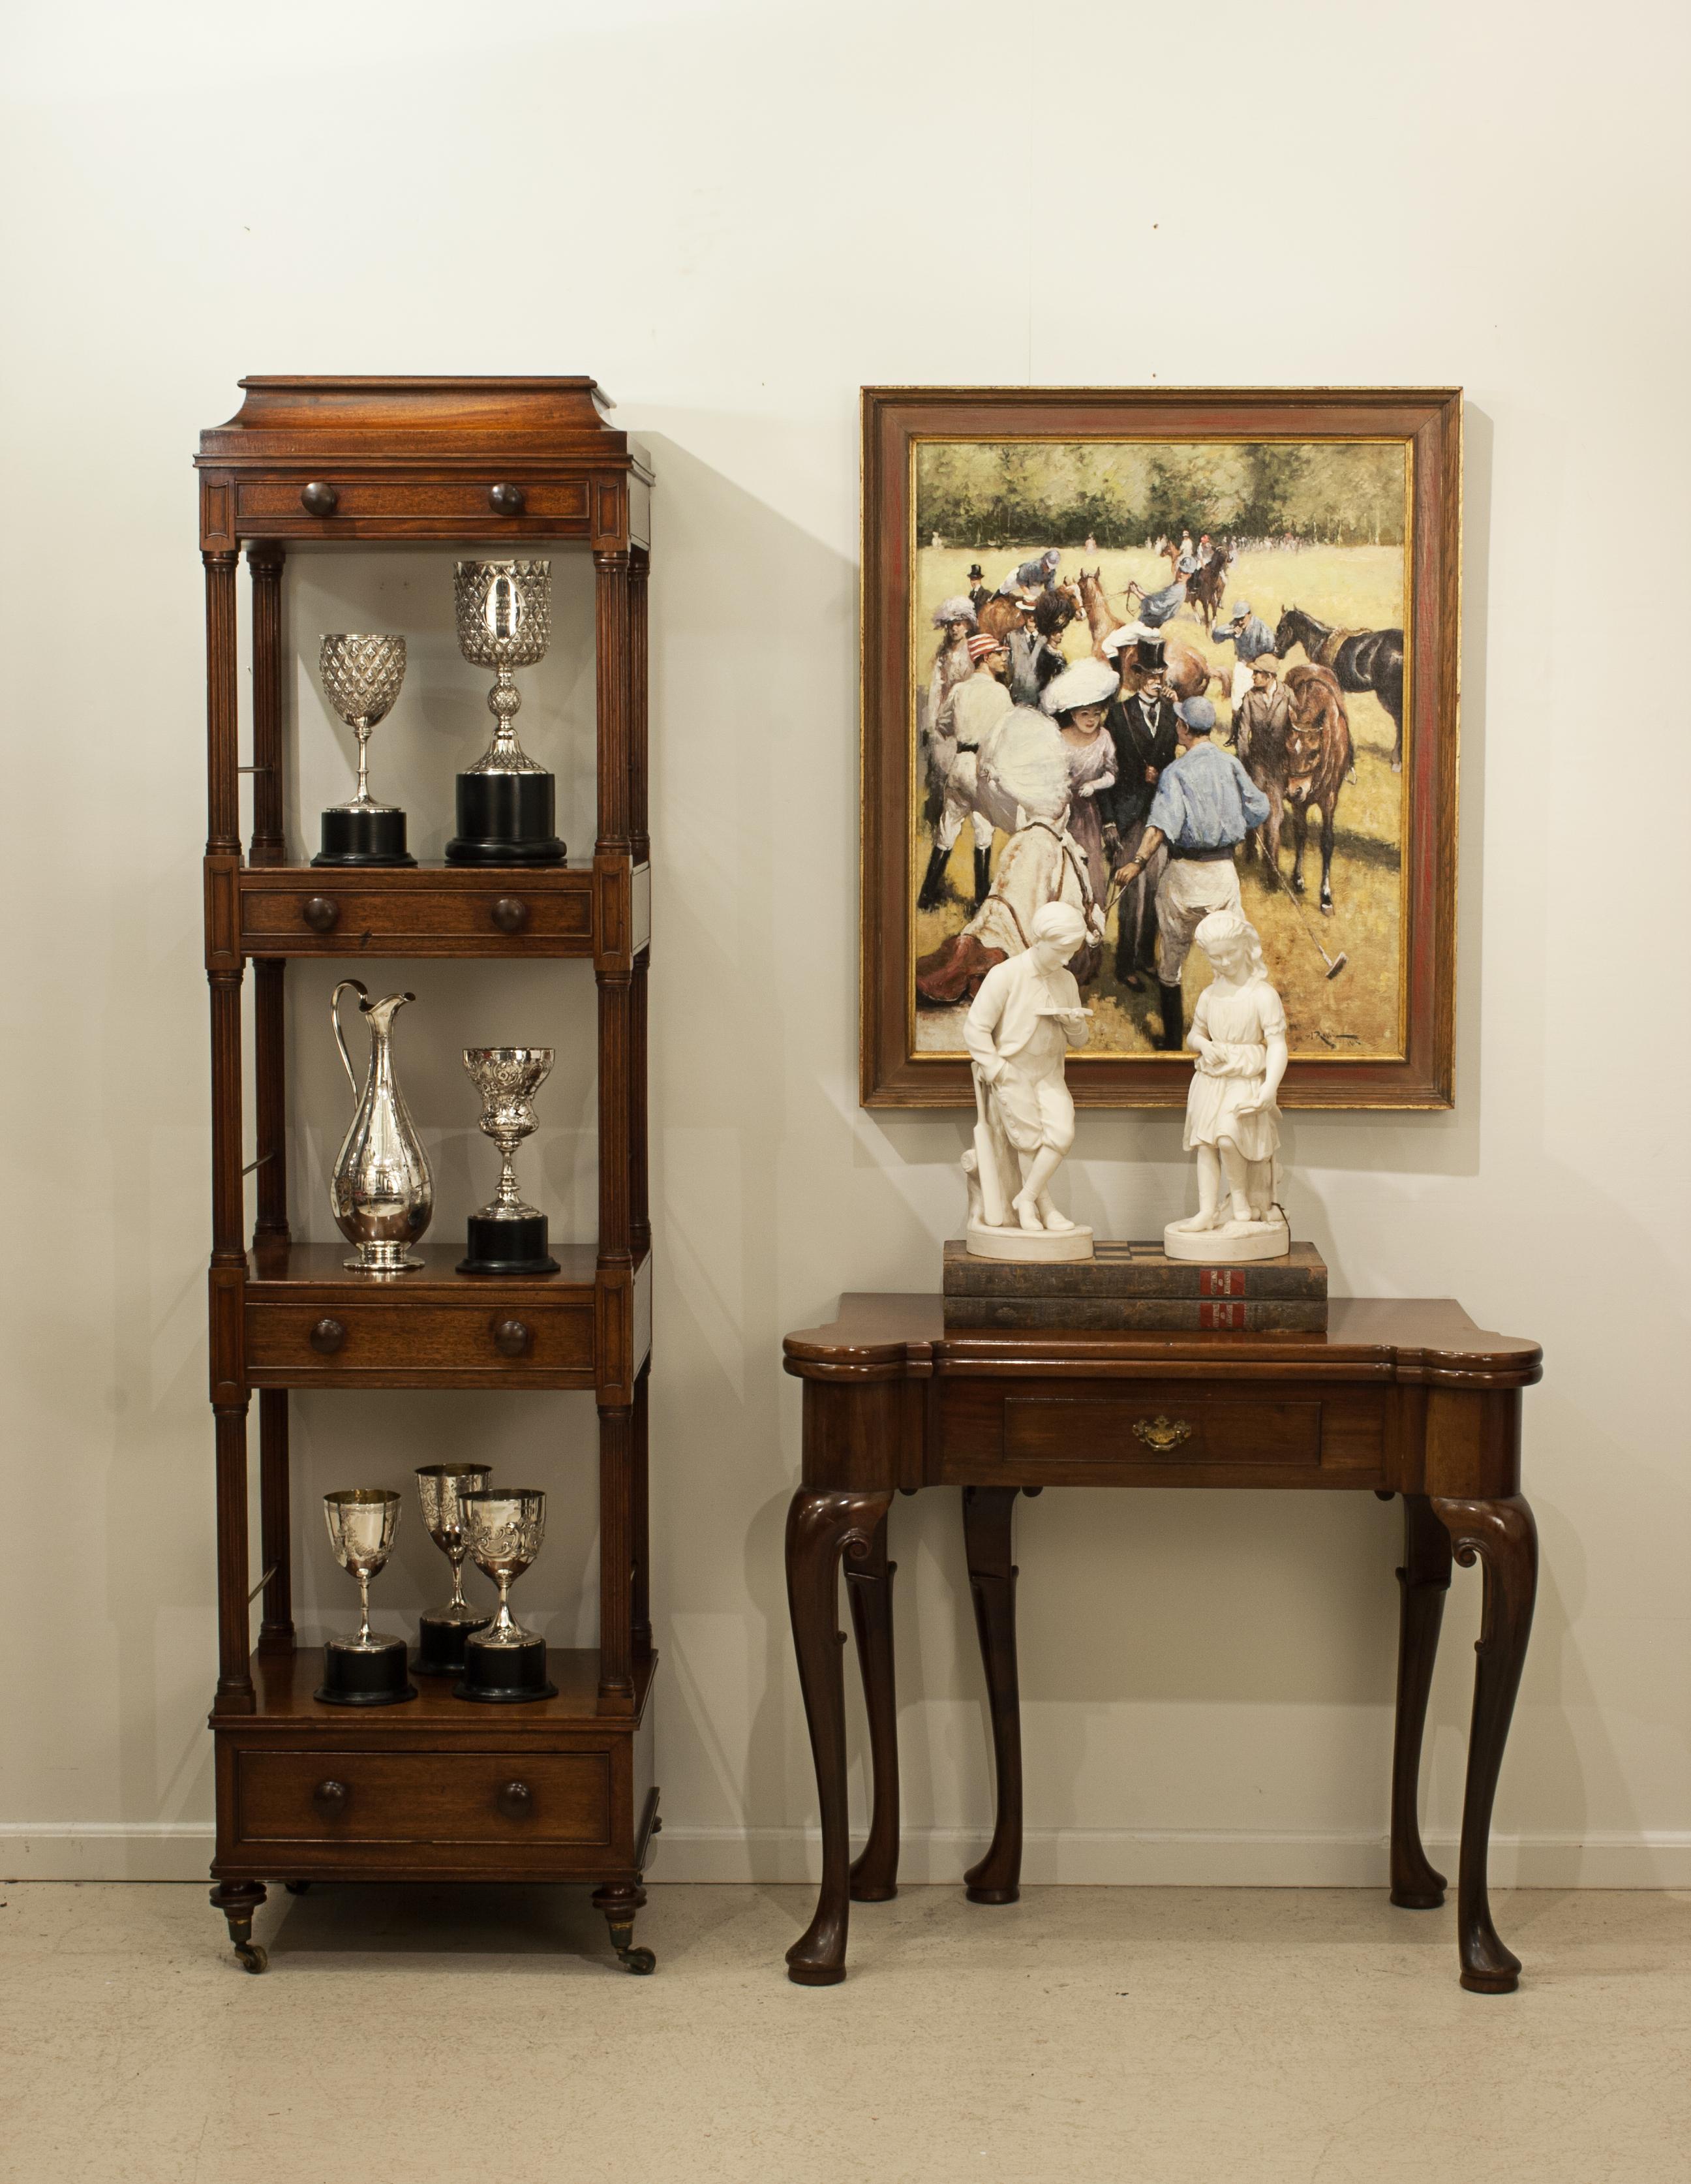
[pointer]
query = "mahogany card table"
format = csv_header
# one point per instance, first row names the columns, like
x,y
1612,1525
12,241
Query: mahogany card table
x,y
1396,1397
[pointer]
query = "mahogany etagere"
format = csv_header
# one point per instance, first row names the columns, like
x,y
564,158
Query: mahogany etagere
x,y
555,1790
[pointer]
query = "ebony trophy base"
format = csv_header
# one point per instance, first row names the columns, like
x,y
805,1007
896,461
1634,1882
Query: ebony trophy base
x,y
366,1676
363,837
505,819
507,1247
440,1644
503,1675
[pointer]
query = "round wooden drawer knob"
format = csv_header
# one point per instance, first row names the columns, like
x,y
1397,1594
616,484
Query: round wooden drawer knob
x,y
332,1797
506,499
328,1336
510,913
514,1800
319,499
511,1337
322,913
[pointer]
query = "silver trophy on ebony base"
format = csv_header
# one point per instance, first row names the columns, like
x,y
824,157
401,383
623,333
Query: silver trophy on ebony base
x,y
503,1527
441,1633
368,1670
505,801
508,1236
361,679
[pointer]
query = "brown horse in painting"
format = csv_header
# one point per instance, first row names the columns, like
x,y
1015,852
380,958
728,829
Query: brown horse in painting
x,y
1188,673
1305,768
1205,585
1053,611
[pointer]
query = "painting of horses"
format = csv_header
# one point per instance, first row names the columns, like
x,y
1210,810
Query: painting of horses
x,y
1068,598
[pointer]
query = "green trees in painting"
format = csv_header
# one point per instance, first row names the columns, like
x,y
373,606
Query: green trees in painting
x,y
988,494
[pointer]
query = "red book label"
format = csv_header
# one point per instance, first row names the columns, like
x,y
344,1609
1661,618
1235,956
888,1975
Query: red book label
x,y
1222,1281
1222,1316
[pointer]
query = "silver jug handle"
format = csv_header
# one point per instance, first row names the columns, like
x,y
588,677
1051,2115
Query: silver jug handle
x,y
362,990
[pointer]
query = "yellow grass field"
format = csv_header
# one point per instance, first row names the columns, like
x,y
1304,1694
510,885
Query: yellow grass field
x,y
1358,1014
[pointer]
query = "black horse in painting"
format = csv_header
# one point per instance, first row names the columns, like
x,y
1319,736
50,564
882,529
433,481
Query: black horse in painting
x,y
1361,659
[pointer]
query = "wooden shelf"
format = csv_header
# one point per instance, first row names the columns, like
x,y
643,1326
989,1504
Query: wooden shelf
x,y
424,910
283,1684
277,1272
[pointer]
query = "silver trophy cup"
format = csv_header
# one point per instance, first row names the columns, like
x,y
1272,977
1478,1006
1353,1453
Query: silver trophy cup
x,y
370,1669
441,1635
507,1235
361,678
502,1528
505,801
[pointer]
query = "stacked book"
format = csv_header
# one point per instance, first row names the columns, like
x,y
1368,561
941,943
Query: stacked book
x,y
1134,1288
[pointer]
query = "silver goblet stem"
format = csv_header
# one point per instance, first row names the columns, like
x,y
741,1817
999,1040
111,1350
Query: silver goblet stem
x,y
363,1576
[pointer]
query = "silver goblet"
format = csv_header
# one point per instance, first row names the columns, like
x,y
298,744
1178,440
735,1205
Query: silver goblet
x,y
504,621
361,678
370,1669
441,1635
505,801
502,1528
507,1235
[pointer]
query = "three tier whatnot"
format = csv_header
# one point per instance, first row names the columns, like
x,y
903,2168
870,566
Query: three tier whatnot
x,y
560,1790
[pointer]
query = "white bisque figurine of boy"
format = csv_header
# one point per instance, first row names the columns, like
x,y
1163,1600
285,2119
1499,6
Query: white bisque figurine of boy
x,y
1025,1018
1238,1033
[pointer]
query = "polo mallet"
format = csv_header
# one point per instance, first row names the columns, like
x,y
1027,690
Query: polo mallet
x,y
1335,963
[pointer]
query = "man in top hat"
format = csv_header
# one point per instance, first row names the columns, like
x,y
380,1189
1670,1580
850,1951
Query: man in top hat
x,y
979,594
1037,576
1262,718
1205,804
971,710
1142,725
1250,638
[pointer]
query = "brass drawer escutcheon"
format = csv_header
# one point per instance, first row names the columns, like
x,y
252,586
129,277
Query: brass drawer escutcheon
x,y
1161,1433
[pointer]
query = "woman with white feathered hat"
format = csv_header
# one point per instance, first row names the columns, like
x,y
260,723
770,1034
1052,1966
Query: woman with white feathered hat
x,y
1078,701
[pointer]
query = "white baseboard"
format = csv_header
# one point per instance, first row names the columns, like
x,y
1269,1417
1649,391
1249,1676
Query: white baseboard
x,y
1076,1857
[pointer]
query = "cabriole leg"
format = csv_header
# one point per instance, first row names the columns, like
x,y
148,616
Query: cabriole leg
x,y
986,1514
1502,1536
1423,1582
869,1588
238,1900
619,1905
820,1528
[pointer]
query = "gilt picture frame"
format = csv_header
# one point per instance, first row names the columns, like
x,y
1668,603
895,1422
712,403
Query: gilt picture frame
x,y
1128,528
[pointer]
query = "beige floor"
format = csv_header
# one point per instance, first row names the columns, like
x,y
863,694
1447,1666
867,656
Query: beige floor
x,y
1138,2036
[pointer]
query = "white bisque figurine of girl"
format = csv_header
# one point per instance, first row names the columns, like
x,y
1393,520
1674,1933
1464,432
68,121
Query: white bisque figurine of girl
x,y
1238,1033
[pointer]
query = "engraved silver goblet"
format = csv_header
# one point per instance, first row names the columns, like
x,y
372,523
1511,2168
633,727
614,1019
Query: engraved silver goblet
x,y
361,678
370,1669
504,621
503,1527
507,1235
442,1634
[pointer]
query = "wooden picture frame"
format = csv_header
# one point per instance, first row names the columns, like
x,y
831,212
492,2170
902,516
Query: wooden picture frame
x,y
1412,940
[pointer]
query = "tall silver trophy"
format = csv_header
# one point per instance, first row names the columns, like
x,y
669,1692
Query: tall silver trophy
x,y
505,801
382,1193
441,1633
361,679
504,1527
368,1670
508,1236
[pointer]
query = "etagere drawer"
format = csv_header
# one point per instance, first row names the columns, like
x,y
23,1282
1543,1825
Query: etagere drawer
x,y
412,1345
423,1798
323,503
416,913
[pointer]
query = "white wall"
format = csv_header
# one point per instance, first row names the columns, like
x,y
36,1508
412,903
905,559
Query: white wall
x,y
734,214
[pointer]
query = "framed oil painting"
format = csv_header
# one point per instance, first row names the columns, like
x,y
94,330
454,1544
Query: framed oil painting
x,y
1153,652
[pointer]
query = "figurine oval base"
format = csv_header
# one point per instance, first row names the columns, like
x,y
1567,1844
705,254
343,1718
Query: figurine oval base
x,y
1229,1244
1032,1246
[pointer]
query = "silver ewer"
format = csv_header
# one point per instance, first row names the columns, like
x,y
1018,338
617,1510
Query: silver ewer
x,y
440,1489
382,1193
361,679
504,621
508,1077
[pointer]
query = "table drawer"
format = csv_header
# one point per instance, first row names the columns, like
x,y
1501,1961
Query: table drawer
x,y
339,913
1140,1432
396,505
409,1345
501,1797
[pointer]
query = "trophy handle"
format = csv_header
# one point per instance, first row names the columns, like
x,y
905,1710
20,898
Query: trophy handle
x,y
358,987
